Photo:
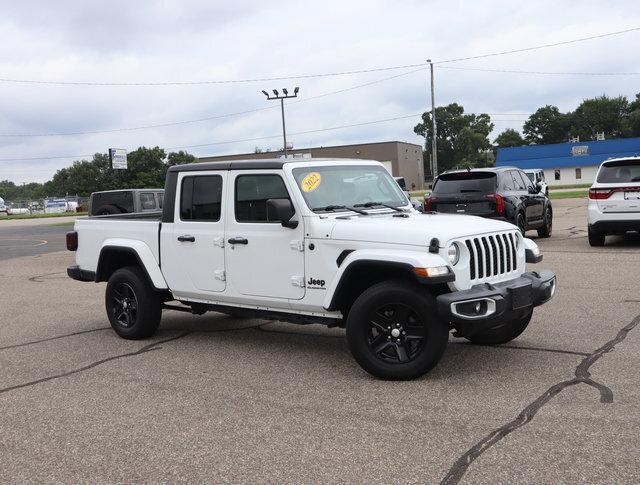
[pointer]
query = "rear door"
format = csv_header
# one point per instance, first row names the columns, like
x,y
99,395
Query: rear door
x,y
621,179
465,193
263,257
193,259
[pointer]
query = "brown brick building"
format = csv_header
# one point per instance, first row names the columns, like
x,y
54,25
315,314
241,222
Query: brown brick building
x,y
402,159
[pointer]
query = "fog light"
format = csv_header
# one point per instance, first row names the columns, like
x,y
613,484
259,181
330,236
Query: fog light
x,y
474,309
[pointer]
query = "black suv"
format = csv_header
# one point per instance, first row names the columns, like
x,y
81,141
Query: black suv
x,y
499,193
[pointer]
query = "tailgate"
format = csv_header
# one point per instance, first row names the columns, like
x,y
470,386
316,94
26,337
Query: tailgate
x,y
476,207
623,199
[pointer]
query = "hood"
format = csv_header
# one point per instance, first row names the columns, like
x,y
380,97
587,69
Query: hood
x,y
417,229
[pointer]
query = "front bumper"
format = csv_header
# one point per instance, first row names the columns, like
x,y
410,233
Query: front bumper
x,y
487,306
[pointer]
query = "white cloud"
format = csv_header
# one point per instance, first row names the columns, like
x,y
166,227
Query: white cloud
x,y
198,40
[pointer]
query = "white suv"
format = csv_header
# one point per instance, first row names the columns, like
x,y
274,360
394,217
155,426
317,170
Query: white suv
x,y
536,175
614,199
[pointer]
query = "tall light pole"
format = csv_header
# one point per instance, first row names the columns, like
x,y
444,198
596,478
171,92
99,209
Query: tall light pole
x,y
434,153
282,97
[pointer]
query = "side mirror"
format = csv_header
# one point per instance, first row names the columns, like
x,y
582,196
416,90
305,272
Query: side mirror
x,y
281,210
539,187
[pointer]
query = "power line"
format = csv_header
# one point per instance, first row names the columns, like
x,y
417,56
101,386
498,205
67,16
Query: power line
x,y
319,130
224,81
555,73
308,76
208,118
542,46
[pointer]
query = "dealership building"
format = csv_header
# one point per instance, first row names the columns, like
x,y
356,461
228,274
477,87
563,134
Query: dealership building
x,y
568,163
400,159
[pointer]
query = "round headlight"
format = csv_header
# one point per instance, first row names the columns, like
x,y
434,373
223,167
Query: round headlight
x,y
453,253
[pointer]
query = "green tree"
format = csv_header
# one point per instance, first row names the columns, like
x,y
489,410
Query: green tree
x,y
634,117
180,158
509,138
601,115
461,138
547,125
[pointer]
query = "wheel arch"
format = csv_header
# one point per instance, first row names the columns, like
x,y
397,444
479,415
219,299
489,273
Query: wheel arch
x,y
361,271
115,256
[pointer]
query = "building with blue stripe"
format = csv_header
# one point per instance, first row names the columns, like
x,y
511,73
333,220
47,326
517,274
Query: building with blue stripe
x,y
568,163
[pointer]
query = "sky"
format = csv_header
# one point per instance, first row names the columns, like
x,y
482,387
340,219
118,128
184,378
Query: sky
x,y
203,40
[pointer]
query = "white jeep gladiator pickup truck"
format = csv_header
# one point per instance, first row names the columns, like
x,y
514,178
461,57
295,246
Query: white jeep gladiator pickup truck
x,y
315,241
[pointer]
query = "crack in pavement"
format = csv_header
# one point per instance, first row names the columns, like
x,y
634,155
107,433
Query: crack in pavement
x,y
57,337
147,348
39,278
582,376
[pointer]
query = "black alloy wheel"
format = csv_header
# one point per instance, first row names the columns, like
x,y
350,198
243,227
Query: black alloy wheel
x,y
395,333
394,330
545,230
124,305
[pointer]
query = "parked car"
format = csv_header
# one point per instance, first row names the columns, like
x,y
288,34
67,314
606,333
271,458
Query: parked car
x,y
536,175
125,201
614,200
504,193
415,203
325,241
3,207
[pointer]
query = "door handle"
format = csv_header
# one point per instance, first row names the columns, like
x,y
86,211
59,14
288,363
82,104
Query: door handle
x,y
186,239
238,240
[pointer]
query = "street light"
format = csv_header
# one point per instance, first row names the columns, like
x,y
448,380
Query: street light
x,y
282,97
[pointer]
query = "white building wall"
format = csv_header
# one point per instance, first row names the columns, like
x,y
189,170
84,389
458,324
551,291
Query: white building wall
x,y
568,175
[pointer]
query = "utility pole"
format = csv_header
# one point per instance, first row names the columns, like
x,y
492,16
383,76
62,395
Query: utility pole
x,y
434,153
282,97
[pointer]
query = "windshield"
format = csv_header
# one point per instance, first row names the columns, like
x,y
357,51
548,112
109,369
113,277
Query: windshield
x,y
465,182
350,185
622,171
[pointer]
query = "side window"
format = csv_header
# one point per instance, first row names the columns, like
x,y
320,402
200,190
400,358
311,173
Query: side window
x,y
518,183
527,182
147,201
200,198
507,181
252,193
160,199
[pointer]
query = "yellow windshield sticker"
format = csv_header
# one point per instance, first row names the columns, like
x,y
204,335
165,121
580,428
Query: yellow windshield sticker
x,y
311,182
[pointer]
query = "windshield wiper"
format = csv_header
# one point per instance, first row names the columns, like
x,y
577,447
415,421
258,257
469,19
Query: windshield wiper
x,y
371,204
331,208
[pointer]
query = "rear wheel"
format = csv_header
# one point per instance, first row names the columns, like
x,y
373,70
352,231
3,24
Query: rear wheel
x,y
545,230
393,331
503,334
596,238
133,306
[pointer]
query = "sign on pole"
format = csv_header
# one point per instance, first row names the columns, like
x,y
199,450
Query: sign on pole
x,y
118,158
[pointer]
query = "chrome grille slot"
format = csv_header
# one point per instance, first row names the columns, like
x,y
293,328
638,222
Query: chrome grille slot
x,y
492,256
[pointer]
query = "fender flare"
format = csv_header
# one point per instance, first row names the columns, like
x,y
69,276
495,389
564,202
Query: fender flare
x,y
142,252
404,260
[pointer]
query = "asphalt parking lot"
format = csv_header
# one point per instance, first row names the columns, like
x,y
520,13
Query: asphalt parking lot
x,y
215,399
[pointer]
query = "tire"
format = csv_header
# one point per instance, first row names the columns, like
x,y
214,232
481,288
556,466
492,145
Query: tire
x,y
521,223
545,230
505,333
108,209
134,308
376,322
596,238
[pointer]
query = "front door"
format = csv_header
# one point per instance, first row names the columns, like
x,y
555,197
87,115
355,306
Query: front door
x,y
193,249
263,258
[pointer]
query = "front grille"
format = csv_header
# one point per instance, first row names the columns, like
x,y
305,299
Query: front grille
x,y
492,255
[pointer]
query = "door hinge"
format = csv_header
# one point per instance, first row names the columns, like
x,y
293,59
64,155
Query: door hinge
x,y
297,245
297,281
219,274
218,241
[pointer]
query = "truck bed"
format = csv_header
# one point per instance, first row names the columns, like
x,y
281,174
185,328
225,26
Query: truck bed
x,y
96,232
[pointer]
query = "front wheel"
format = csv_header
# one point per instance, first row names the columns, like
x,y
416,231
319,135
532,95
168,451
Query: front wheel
x,y
393,331
521,223
503,334
133,306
